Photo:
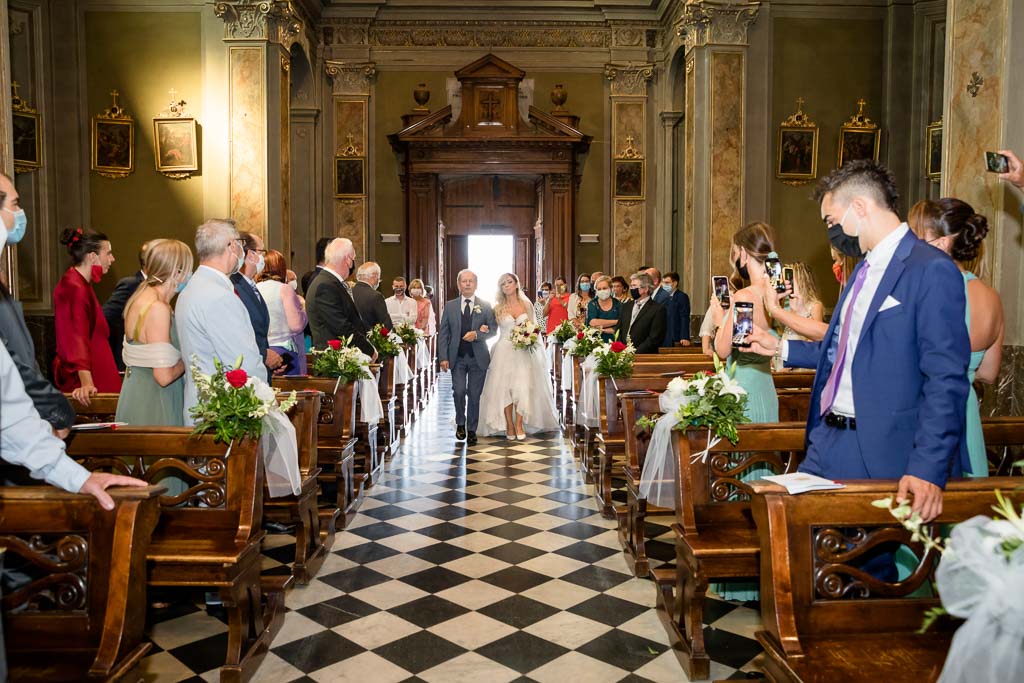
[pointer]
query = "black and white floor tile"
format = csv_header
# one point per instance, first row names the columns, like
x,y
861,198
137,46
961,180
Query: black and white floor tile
x,y
487,563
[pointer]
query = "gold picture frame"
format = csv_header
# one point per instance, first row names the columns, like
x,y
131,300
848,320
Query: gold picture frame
x,y
629,177
797,160
113,142
27,149
349,176
933,151
176,146
859,138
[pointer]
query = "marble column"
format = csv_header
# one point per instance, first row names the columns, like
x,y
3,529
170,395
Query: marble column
x,y
629,164
715,34
664,236
348,135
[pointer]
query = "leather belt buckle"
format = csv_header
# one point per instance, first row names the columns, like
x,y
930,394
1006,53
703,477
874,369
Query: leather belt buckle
x,y
840,421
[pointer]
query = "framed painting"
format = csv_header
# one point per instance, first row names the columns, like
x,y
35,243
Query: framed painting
x,y
113,147
933,151
798,153
28,150
349,176
857,144
629,178
176,146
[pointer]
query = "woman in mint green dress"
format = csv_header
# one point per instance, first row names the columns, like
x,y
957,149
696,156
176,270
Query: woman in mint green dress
x,y
751,247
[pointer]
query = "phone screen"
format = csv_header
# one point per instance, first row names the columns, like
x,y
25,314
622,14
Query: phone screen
x,y
773,267
721,286
997,163
743,324
787,276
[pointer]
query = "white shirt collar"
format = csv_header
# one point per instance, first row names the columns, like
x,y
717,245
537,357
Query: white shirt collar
x,y
221,274
884,250
331,271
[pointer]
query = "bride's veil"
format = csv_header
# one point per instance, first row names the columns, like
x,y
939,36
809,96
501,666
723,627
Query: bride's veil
x,y
523,299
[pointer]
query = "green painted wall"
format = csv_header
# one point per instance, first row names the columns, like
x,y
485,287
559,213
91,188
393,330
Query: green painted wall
x,y
393,98
143,55
831,64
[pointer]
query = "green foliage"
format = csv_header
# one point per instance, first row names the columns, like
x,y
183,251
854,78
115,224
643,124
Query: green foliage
x,y
646,423
615,364
407,333
348,363
716,402
387,343
230,412
564,332
584,345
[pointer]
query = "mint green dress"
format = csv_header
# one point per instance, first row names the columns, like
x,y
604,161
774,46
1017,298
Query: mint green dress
x,y
972,433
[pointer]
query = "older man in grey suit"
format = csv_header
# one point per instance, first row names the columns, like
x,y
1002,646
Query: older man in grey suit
x,y
466,325
211,320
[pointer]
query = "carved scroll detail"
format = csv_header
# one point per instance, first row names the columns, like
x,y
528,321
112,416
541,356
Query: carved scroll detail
x,y
60,566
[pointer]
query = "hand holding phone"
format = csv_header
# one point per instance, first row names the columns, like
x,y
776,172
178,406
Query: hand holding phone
x,y
996,162
773,269
743,324
720,286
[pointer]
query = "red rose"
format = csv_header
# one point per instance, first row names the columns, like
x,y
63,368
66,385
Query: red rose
x,y
236,378
579,335
334,344
618,347
385,331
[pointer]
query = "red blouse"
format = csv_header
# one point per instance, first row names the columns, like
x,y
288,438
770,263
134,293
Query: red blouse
x,y
557,312
82,336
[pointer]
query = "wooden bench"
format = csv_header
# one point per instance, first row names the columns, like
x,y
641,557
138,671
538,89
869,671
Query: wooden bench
x,y
80,612
388,434
210,534
714,531
1004,438
403,404
341,486
826,620
692,350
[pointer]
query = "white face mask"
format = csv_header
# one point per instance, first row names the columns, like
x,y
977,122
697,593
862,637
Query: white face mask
x,y
604,294
260,264
294,284
416,292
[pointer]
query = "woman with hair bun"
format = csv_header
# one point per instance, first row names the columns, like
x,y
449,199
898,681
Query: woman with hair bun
x,y
952,226
84,364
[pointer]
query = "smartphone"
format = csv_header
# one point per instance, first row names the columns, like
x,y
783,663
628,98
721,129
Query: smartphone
x,y
996,162
720,284
773,267
787,277
743,324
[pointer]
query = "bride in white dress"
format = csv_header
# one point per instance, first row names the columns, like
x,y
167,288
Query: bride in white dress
x,y
517,395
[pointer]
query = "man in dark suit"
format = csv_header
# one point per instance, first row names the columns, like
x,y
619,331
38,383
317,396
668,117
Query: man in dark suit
x,y
677,312
370,303
642,320
890,392
331,306
113,309
245,288
307,277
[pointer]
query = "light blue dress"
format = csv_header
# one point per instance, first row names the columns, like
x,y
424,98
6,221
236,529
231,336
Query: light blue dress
x,y
972,434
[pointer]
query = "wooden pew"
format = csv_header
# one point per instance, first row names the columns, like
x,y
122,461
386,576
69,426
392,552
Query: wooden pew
x,y
714,531
388,434
341,486
692,350
210,535
403,404
412,386
81,613
1004,441
824,623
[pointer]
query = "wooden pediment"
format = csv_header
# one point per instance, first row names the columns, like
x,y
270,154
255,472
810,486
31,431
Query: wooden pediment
x,y
490,68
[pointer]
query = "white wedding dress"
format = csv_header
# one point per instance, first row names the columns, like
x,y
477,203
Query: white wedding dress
x,y
520,377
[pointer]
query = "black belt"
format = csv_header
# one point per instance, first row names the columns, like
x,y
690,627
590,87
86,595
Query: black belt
x,y
840,421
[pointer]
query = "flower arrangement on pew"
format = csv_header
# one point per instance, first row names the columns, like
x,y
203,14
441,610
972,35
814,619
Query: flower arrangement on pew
x,y
231,404
564,332
584,343
525,335
982,564
342,360
615,359
715,401
387,342
408,334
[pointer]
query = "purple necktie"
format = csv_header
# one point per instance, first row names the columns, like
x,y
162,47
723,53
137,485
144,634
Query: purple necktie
x,y
828,395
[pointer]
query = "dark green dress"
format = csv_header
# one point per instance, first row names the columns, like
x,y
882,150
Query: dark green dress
x,y
594,312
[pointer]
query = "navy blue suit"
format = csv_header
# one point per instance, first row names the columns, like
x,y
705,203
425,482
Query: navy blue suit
x,y
909,376
677,310
258,314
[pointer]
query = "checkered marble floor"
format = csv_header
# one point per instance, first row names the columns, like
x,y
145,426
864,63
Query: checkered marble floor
x,y
488,563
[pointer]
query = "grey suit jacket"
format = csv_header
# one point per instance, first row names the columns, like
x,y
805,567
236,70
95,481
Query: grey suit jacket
x,y
449,332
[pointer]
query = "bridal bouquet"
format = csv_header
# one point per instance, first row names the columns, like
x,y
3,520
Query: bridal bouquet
x,y
715,401
341,359
231,404
978,579
525,335
564,332
615,360
584,343
387,342
408,333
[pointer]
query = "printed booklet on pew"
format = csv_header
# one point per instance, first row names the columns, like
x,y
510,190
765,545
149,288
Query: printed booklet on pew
x,y
799,482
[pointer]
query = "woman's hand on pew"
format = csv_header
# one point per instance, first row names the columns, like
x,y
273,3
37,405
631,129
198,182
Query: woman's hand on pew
x,y
83,393
98,483
927,497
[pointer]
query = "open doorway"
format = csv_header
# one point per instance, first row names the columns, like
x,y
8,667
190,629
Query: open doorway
x,y
490,257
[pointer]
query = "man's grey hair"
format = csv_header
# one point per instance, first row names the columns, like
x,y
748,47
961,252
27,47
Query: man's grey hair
x,y
466,271
367,271
644,279
339,248
214,236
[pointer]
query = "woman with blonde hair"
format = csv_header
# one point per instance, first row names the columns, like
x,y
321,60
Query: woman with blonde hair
x,y
517,395
153,391
425,318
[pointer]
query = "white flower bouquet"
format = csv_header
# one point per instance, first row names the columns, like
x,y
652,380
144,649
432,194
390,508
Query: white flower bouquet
x,y
615,359
232,404
715,401
525,335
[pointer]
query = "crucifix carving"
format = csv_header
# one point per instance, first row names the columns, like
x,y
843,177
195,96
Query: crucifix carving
x,y
490,106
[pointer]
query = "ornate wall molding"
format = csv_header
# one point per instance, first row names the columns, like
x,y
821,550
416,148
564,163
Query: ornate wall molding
x,y
721,22
470,33
276,21
350,78
629,79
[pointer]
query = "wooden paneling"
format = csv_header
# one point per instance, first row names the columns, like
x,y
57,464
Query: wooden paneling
x,y
489,203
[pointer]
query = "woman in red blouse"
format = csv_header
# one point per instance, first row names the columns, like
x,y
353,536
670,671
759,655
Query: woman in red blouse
x,y
556,305
84,364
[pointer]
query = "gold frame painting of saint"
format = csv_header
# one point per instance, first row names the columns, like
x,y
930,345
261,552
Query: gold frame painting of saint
x,y
349,176
176,145
113,147
629,178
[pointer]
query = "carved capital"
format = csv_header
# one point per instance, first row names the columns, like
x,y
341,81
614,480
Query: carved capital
x,y
351,78
716,22
422,183
559,182
629,79
276,21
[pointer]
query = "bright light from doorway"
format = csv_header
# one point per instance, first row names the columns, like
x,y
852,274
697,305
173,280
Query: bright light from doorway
x,y
490,257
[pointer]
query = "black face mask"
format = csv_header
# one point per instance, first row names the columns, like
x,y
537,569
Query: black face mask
x,y
634,292
399,291
743,271
844,244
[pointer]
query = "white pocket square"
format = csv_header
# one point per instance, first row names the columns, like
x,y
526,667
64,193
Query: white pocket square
x,y
888,303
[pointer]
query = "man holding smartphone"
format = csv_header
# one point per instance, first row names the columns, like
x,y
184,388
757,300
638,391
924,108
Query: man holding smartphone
x,y
891,386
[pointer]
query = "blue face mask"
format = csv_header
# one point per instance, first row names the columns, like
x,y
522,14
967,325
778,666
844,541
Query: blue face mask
x,y
16,233
584,286
178,288
667,288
